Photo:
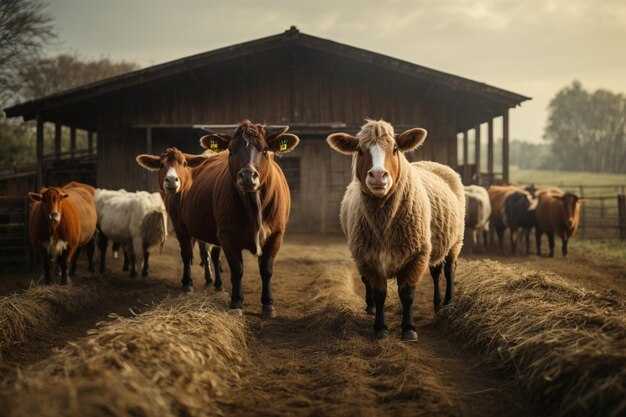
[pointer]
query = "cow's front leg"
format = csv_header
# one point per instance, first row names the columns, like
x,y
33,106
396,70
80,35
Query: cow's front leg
x,y
266,268
63,263
369,296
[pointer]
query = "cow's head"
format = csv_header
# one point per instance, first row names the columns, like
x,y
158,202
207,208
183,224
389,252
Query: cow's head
x,y
377,153
50,199
571,208
173,167
250,150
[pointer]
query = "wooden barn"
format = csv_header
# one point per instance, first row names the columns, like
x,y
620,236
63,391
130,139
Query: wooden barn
x,y
314,85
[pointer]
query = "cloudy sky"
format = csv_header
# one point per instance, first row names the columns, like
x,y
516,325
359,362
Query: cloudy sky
x,y
531,47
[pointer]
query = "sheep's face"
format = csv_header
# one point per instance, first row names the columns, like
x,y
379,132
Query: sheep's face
x,y
377,152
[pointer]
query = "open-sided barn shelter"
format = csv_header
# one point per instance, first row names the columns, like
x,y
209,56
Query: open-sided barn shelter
x,y
314,85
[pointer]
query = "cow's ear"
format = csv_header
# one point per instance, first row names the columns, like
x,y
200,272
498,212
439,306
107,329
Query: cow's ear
x,y
194,161
283,143
149,162
411,139
35,196
343,143
216,142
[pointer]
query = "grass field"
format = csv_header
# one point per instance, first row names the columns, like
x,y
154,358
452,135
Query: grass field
x,y
565,178
606,249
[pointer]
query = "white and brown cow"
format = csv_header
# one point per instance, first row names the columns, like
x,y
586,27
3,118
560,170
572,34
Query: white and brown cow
x,y
399,218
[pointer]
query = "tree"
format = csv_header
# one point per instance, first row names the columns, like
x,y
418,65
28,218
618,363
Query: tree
x,y
43,76
587,130
25,29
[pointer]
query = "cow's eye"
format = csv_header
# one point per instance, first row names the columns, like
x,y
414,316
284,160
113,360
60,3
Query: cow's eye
x,y
265,151
360,151
395,149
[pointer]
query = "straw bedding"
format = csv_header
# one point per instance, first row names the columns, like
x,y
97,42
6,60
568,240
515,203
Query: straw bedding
x,y
565,345
175,359
34,311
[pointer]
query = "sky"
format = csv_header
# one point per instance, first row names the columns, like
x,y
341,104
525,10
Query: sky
x,y
530,47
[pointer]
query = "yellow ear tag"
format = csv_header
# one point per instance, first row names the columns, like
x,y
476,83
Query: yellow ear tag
x,y
214,146
283,144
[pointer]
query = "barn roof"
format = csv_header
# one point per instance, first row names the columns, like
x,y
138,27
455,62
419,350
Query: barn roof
x,y
291,38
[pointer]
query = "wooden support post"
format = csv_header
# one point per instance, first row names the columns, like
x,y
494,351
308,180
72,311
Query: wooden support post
x,y
477,152
39,153
149,140
466,168
57,140
490,148
72,142
505,146
90,142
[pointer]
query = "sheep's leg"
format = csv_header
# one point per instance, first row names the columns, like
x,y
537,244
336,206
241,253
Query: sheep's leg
x,y
103,242
369,297
380,326
435,273
408,277
137,258
217,267
449,269
127,258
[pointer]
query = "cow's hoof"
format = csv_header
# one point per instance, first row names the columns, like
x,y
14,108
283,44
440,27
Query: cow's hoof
x,y
409,336
187,289
219,288
91,269
437,308
269,312
208,283
371,310
381,334
236,311
66,281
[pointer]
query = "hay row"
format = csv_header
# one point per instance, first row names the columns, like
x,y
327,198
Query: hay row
x,y
175,359
35,311
565,345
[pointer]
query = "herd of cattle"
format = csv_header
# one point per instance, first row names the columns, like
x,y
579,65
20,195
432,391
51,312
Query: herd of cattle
x,y
400,218
549,210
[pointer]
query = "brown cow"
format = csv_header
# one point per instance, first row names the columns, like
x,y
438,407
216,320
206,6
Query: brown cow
x,y
556,213
61,221
236,200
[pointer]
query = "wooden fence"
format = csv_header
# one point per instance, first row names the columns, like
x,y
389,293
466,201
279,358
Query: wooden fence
x,y
15,246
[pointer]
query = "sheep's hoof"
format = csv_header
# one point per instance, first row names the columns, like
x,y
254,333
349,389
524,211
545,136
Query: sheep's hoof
x,y
187,289
144,274
371,310
208,282
236,311
269,312
381,334
219,289
409,336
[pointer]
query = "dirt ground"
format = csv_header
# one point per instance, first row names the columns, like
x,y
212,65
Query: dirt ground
x,y
318,356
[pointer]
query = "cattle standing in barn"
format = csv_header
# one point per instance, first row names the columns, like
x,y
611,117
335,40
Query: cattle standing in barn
x,y
559,213
236,200
477,214
399,218
137,221
61,221
512,207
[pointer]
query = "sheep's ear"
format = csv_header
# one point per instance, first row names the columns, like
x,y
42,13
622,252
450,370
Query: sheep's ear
x,y
411,139
35,196
216,142
343,143
194,161
149,162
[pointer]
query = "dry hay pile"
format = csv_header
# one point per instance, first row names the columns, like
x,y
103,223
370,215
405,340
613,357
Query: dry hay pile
x,y
33,312
173,360
565,345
